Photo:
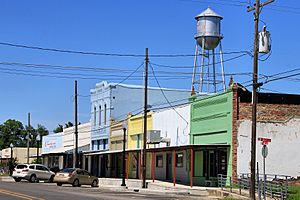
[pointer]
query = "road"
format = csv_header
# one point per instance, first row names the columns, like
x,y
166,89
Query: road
x,y
47,191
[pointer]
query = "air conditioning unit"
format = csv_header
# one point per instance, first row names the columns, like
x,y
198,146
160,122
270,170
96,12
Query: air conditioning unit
x,y
153,137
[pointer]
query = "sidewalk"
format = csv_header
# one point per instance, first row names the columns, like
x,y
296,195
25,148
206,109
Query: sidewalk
x,y
6,179
135,185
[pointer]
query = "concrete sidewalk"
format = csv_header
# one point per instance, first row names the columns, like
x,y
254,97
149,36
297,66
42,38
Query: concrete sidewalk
x,y
6,179
135,185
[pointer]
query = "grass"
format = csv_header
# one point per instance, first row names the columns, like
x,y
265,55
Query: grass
x,y
4,174
294,193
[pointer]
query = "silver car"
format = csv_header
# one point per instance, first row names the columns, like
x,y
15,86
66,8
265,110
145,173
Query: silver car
x,y
32,173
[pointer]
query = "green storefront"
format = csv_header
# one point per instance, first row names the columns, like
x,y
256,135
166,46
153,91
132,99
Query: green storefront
x,y
211,124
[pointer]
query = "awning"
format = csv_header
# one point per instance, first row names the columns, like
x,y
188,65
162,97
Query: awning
x,y
169,148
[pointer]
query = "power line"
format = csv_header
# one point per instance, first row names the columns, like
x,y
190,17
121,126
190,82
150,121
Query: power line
x,y
97,53
166,96
184,67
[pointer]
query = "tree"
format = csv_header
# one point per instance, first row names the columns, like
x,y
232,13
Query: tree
x,y
59,129
12,131
68,124
42,131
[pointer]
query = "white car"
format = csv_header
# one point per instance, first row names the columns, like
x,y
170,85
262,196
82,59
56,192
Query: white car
x,y
32,172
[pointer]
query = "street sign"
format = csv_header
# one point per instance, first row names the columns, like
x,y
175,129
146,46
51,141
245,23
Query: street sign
x,y
264,141
264,151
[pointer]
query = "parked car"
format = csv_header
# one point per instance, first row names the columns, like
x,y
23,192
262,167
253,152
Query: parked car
x,y
32,173
76,177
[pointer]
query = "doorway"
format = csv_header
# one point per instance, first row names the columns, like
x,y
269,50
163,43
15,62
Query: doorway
x,y
169,167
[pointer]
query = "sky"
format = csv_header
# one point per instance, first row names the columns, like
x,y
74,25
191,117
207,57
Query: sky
x,y
165,27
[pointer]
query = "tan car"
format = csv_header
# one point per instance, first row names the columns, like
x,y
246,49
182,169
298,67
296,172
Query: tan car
x,y
76,177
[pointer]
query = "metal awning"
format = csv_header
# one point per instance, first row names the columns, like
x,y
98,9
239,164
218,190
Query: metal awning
x,y
170,148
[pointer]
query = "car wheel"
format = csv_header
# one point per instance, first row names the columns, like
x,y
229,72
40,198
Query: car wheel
x,y
76,183
59,184
51,179
17,179
94,183
32,178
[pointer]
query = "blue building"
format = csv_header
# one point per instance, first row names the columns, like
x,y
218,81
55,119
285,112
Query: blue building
x,y
116,101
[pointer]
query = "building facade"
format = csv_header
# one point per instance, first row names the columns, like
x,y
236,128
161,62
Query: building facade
x,y
225,119
58,149
211,123
115,101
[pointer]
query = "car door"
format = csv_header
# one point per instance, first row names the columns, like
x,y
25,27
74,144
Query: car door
x,y
39,172
46,173
80,177
87,177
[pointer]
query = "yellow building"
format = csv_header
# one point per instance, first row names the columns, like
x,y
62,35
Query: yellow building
x,y
135,141
136,130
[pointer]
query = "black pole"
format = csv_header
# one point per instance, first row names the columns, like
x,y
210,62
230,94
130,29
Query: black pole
x,y
76,129
145,119
123,167
254,102
37,152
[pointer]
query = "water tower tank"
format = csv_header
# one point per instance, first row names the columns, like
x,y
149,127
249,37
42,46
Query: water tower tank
x,y
208,27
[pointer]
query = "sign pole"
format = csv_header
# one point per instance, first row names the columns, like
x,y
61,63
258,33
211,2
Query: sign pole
x,y
264,169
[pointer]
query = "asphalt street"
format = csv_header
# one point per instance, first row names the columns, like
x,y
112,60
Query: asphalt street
x,y
48,191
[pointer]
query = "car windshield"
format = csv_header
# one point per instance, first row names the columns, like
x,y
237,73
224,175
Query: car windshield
x,y
67,170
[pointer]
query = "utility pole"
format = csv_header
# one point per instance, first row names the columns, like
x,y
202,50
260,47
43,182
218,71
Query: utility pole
x,y
76,159
28,138
145,119
255,85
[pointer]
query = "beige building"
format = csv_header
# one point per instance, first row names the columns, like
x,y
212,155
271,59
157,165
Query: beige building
x,y
63,146
116,136
20,153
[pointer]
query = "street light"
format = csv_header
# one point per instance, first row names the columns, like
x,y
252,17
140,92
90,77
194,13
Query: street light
x,y
11,159
38,138
124,144
28,139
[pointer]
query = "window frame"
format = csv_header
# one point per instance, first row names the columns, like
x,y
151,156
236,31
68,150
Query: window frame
x,y
157,159
179,164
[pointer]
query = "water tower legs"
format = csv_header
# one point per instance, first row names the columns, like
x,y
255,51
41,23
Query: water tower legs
x,y
222,66
202,65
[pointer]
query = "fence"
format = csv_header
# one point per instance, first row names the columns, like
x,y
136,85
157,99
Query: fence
x,y
274,186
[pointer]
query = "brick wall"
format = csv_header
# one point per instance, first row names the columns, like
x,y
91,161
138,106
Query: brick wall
x,y
269,112
235,111
266,112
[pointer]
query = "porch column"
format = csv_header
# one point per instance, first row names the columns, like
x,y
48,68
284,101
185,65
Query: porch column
x,y
153,166
140,165
174,174
191,166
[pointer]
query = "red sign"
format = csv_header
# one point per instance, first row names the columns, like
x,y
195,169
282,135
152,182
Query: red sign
x,y
264,141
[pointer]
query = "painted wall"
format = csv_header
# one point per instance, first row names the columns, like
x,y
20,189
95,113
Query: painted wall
x,y
20,153
283,157
182,173
174,125
136,129
116,136
211,123
121,99
53,143
84,136
100,115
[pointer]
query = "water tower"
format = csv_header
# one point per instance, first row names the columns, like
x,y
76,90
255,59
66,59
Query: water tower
x,y
208,38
